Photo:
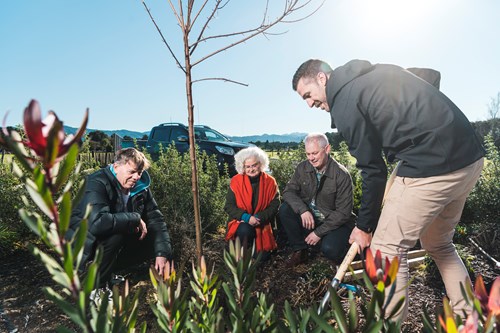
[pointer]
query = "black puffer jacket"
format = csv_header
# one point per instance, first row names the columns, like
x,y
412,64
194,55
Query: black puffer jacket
x,y
387,108
110,216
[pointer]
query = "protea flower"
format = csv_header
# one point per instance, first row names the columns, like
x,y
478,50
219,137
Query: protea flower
x,y
46,138
489,304
381,274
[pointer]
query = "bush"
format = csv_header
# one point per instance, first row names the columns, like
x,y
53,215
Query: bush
x,y
284,165
12,229
484,200
171,187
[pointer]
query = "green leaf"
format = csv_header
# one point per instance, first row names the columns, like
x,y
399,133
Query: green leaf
x,y
338,310
353,314
64,214
79,238
53,141
17,148
427,321
397,307
90,278
68,261
102,317
39,178
67,307
67,166
320,321
34,222
38,199
375,327
80,193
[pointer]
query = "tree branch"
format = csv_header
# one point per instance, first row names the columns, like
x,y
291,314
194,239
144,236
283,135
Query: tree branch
x,y
210,17
163,38
290,8
221,79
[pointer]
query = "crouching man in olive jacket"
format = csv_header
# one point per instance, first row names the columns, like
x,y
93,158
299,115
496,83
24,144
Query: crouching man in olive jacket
x,y
124,219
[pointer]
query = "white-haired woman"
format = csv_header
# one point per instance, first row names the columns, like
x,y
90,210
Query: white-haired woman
x,y
252,201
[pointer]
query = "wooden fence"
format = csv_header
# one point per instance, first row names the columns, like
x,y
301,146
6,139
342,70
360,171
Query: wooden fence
x,y
103,158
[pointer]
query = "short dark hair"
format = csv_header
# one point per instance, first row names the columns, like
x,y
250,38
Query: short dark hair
x,y
124,155
310,69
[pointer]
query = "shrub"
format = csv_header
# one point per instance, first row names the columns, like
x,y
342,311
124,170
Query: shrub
x,y
484,200
283,166
12,229
171,187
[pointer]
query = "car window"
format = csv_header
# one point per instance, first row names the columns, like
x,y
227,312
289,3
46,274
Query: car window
x,y
212,135
178,131
160,134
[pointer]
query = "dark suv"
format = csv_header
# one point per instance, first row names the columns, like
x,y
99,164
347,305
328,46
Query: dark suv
x,y
208,139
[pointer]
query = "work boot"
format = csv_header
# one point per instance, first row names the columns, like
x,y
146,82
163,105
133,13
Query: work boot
x,y
297,258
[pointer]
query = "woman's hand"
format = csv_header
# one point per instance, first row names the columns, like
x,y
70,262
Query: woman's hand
x,y
254,221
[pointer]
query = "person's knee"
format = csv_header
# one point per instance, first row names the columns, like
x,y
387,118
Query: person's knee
x,y
333,251
287,216
246,233
245,230
284,211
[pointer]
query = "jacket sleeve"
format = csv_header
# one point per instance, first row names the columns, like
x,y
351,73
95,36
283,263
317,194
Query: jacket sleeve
x,y
343,205
102,219
366,147
292,192
230,207
155,222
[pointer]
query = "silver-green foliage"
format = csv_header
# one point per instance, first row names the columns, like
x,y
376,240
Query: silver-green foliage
x,y
484,200
12,229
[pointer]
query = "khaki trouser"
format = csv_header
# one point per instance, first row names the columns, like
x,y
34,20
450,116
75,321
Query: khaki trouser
x,y
427,209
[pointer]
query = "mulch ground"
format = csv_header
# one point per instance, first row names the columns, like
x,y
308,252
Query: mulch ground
x,y
24,308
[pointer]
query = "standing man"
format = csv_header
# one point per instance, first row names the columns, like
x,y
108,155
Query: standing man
x,y
387,108
124,219
318,204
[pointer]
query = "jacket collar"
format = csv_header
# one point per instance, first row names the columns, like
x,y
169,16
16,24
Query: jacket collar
x,y
329,170
141,185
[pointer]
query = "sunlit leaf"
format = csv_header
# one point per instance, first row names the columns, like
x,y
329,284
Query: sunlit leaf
x,y
67,166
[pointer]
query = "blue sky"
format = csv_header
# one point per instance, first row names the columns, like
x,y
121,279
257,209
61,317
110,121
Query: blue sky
x,y
107,56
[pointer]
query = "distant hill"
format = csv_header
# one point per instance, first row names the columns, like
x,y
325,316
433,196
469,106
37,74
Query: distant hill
x,y
292,137
122,132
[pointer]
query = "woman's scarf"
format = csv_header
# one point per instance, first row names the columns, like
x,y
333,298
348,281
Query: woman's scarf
x,y
242,189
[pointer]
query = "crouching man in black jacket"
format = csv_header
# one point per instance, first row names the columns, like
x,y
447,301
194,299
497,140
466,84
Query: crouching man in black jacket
x,y
124,219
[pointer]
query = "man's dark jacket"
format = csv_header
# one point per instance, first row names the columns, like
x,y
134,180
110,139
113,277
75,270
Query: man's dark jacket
x,y
387,108
334,197
109,215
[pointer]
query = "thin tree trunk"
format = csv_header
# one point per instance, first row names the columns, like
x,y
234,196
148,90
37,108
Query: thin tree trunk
x,y
192,151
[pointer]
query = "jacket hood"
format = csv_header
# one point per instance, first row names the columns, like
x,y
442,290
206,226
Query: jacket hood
x,y
342,75
142,184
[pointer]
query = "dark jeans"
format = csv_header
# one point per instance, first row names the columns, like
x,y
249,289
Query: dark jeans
x,y
334,245
246,234
121,251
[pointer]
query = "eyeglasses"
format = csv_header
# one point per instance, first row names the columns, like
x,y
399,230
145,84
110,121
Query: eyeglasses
x,y
253,166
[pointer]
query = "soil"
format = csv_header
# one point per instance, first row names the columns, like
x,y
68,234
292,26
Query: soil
x,y
24,308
